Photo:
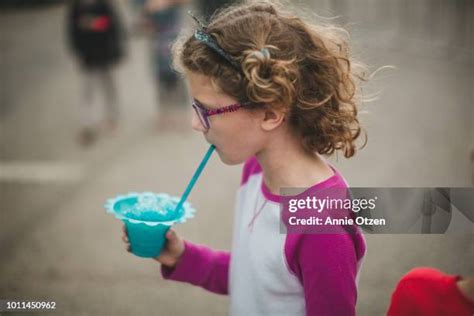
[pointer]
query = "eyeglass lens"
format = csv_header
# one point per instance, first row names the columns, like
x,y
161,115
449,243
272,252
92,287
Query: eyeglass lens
x,y
202,116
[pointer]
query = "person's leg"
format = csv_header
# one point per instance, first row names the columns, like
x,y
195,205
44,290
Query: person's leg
x,y
87,110
86,101
111,100
166,74
163,84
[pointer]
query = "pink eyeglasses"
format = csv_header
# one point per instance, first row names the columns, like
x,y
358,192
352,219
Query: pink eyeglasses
x,y
204,113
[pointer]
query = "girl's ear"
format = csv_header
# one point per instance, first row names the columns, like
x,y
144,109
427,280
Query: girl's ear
x,y
272,119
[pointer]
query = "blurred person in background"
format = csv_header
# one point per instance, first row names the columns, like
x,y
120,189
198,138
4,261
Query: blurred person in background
x,y
427,291
164,18
95,37
138,20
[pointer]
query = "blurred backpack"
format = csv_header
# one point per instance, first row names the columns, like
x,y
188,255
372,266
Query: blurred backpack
x,y
95,32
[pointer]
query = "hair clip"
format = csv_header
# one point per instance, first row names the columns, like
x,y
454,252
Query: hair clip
x,y
205,38
265,52
201,25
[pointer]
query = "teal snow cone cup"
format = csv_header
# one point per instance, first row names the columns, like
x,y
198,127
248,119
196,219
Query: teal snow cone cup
x,y
147,217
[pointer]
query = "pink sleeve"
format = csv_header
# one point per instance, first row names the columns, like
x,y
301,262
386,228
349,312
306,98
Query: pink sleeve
x,y
326,266
203,267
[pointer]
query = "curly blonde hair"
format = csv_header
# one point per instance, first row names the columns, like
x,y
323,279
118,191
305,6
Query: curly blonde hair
x,y
308,71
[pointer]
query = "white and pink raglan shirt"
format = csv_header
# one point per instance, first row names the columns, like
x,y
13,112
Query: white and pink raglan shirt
x,y
272,273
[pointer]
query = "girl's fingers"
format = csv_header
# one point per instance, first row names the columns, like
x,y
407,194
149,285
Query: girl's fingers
x,y
125,239
171,235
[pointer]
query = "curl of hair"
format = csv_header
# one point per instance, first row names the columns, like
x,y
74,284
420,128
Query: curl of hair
x,y
270,81
309,72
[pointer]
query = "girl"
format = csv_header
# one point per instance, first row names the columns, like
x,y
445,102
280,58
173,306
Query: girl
x,y
276,93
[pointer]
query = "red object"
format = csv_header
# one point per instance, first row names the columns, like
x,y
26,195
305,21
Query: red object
x,y
100,24
427,291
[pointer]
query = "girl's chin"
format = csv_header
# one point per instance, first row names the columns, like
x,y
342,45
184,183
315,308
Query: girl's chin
x,y
228,160
223,157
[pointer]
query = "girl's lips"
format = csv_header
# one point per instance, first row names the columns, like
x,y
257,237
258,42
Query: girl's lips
x,y
214,145
207,140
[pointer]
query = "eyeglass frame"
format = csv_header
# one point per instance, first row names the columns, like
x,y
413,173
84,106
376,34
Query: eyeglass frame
x,y
203,113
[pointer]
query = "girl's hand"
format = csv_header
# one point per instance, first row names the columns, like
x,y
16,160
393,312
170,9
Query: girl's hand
x,y
172,251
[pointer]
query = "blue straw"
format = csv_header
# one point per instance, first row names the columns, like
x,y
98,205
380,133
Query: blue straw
x,y
195,177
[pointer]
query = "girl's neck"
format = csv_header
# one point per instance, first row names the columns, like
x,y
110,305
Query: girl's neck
x,y
286,164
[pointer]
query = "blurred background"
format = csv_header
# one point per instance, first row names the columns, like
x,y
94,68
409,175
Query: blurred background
x,y
77,128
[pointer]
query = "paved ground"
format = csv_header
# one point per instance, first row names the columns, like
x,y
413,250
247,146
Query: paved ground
x,y
57,243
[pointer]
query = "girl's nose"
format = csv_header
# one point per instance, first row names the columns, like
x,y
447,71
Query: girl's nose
x,y
196,124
